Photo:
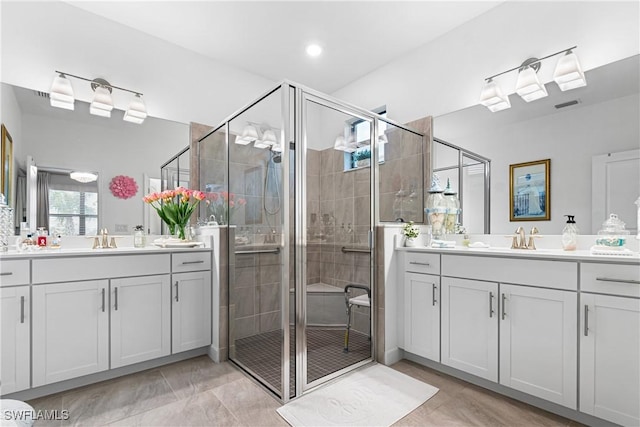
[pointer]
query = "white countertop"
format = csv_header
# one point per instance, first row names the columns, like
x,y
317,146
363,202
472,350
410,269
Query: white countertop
x,y
67,252
553,254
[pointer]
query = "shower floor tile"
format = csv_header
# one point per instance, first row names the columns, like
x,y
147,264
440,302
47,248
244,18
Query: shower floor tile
x,y
263,353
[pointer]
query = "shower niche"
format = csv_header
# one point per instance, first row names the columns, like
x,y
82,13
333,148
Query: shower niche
x,y
298,223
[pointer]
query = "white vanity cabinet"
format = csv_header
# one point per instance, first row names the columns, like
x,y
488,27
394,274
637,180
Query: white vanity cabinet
x,y
538,350
422,315
70,330
190,300
470,326
140,319
610,342
516,301
15,330
191,310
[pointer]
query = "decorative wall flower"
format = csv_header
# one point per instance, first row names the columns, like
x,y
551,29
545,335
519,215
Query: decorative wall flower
x,y
123,187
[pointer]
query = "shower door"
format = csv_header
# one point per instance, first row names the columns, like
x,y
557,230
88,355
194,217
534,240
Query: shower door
x,y
256,209
334,280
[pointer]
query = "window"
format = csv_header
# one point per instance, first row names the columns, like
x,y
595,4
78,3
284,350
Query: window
x,y
73,207
361,130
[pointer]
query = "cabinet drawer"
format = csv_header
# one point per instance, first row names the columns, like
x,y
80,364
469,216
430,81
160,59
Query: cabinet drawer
x,y
419,262
93,267
14,272
615,279
190,261
541,273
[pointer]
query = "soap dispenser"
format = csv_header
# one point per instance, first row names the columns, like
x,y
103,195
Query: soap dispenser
x,y
570,234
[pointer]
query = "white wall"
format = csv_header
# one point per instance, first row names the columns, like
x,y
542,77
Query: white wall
x,y
109,149
569,138
39,37
447,74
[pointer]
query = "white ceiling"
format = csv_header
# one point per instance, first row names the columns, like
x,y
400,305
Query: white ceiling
x,y
269,38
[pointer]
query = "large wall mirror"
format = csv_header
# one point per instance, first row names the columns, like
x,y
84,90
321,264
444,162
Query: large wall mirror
x,y
570,128
60,141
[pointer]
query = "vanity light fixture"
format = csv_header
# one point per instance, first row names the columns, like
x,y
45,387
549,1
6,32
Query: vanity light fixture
x,y
83,177
568,75
492,97
61,96
528,85
102,103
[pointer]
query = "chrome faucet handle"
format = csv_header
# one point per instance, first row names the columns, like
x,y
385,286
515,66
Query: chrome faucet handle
x,y
514,242
96,243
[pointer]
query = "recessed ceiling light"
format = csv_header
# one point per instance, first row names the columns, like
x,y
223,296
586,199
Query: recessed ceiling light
x,y
314,50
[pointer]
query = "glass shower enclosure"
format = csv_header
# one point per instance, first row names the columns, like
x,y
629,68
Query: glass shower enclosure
x,y
288,179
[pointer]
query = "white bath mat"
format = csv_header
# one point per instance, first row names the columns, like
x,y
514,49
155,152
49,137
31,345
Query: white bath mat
x,y
372,396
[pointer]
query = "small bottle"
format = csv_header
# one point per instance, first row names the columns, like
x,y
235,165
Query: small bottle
x,y
466,242
570,234
56,242
139,239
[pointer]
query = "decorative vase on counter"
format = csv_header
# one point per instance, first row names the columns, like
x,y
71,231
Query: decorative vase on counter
x,y
410,242
436,209
453,208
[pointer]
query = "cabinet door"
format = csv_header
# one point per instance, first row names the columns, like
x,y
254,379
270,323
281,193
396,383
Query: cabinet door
x,y
15,349
70,330
538,348
470,326
422,315
610,358
191,314
140,319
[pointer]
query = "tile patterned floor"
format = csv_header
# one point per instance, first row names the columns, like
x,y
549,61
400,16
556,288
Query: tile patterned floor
x,y
198,392
325,355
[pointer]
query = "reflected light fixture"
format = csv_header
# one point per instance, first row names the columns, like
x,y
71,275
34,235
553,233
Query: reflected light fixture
x,y
249,135
568,75
61,93
314,50
83,177
267,141
61,96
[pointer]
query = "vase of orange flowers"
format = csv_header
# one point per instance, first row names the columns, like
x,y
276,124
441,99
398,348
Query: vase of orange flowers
x,y
175,207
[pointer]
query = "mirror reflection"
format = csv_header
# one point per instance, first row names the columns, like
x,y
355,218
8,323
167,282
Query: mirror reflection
x,y
571,128
61,140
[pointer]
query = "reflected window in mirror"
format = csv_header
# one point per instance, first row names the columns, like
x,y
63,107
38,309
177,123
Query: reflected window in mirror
x,y
70,207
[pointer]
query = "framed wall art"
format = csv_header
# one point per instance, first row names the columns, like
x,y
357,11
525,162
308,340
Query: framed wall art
x,y
529,189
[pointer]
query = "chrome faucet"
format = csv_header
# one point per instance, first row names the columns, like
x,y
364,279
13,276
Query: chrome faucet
x,y
520,239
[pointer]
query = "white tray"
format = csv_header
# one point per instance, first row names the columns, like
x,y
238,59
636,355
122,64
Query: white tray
x,y
176,243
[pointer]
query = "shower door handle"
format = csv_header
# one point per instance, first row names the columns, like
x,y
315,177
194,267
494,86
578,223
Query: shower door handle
x,y
370,239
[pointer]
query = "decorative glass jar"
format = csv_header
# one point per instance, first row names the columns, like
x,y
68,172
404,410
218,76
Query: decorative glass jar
x,y
436,209
453,209
139,238
6,224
